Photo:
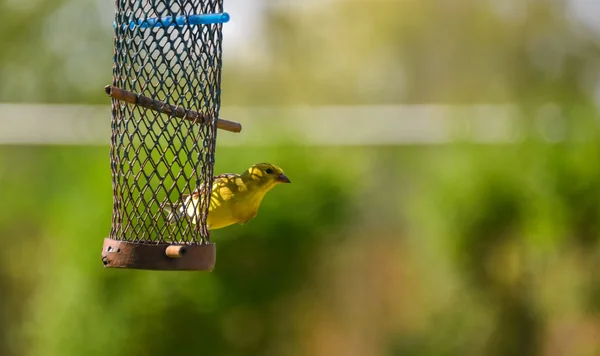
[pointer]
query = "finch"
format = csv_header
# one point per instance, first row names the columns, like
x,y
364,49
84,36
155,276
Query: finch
x,y
235,198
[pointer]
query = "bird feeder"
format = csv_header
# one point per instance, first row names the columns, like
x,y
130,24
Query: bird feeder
x,y
165,115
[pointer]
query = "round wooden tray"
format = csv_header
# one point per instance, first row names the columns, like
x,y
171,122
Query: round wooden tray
x,y
166,257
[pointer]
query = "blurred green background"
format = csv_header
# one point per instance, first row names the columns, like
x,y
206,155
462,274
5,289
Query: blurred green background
x,y
457,248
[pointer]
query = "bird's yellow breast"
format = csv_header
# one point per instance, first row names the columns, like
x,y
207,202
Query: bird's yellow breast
x,y
232,202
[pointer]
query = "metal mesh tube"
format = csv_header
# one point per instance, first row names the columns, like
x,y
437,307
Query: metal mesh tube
x,y
168,51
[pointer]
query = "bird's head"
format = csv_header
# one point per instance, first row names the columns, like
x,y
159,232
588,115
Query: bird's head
x,y
266,174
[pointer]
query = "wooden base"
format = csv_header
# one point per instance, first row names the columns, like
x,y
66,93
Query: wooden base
x,y
167,257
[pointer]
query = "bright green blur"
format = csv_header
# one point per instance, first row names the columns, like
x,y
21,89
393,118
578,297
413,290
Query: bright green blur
x,y
462,249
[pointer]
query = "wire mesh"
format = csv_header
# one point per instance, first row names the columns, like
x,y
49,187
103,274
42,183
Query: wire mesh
x,y
157,158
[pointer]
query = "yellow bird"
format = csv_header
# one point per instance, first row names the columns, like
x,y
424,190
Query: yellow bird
x,y
235,198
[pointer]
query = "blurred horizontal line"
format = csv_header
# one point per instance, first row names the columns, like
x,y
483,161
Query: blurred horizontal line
x,y
50,124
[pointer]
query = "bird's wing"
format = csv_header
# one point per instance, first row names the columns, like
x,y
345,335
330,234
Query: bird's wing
x,y
219,181
224,187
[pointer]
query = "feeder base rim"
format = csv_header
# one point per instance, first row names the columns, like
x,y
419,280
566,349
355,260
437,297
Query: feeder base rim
x,y
133,255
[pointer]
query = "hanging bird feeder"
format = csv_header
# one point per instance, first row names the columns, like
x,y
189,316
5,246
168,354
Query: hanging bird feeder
x,y
165,115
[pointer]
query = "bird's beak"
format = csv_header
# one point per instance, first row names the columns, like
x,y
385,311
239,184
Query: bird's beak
x,y
282,179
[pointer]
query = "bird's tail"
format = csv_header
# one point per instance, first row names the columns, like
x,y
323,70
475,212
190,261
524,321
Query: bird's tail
x,y
174,212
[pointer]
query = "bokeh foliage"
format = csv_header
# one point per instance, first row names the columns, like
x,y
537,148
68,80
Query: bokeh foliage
x,y
423,250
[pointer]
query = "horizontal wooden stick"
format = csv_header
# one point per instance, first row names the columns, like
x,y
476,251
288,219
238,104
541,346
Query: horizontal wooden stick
x,y
162,107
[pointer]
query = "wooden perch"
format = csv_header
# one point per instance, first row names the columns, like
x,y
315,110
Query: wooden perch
x,y
162,107
175,251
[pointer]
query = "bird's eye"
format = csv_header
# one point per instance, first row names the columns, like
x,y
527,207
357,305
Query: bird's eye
x,y
269,171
